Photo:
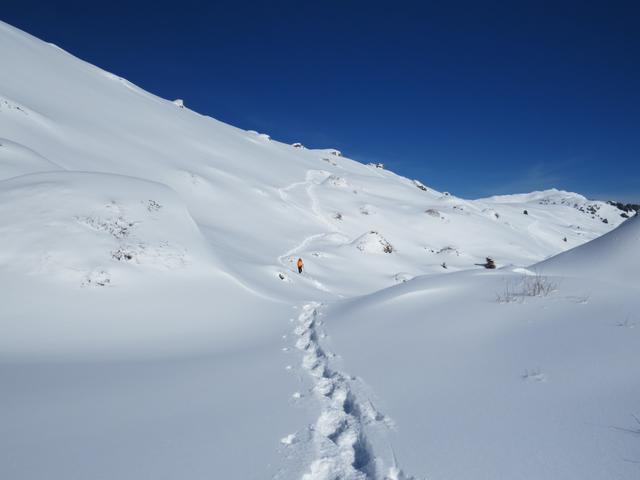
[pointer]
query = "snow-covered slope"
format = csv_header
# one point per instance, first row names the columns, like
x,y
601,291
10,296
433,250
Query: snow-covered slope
x,y
613,257
507,374
149,252
259,202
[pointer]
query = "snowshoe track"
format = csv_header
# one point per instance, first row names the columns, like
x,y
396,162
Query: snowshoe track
x,y
340,440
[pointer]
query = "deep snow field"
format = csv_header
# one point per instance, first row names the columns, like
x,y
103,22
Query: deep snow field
x,y
153,324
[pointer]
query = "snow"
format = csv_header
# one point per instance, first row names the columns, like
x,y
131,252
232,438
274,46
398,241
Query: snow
x,y
154,324
541,387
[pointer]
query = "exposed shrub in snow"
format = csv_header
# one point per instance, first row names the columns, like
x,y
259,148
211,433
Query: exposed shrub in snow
x,y
525,212
338,216
153,206
178,102
118,227
330,161
123,254
297,145
335,152
529,286
432,212
365,210
538,286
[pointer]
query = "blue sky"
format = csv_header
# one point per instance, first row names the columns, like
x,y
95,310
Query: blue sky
x,y
475,97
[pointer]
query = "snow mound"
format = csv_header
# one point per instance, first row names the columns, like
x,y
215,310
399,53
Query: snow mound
x,y
373,242
94,227
336,181
16,159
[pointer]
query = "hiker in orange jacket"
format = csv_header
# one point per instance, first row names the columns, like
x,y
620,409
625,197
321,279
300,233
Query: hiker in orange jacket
x,y
300,265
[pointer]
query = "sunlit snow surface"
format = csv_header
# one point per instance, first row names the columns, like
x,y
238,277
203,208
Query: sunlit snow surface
x,y
154,324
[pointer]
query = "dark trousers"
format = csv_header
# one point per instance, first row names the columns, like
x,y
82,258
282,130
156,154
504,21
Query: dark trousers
x,y
299,269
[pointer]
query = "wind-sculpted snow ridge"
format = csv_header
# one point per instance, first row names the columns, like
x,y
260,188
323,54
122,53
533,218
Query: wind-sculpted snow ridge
x,y
339,434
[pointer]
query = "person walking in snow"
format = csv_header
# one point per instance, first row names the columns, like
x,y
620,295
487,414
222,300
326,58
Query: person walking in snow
x,y
300,265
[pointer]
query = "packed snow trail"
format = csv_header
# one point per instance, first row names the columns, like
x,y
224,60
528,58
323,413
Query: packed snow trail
x,y
342,450
287,259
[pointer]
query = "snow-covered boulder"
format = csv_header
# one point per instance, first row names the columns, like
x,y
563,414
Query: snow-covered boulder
x,y
336,181
420,185
373,242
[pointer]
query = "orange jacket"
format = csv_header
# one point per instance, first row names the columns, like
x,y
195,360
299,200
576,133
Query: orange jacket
x,y
300,263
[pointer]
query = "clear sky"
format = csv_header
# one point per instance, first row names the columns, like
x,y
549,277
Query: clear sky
x,y
471,97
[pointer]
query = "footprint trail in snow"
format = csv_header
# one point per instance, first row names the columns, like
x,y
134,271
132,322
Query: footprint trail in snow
x,y
342,450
